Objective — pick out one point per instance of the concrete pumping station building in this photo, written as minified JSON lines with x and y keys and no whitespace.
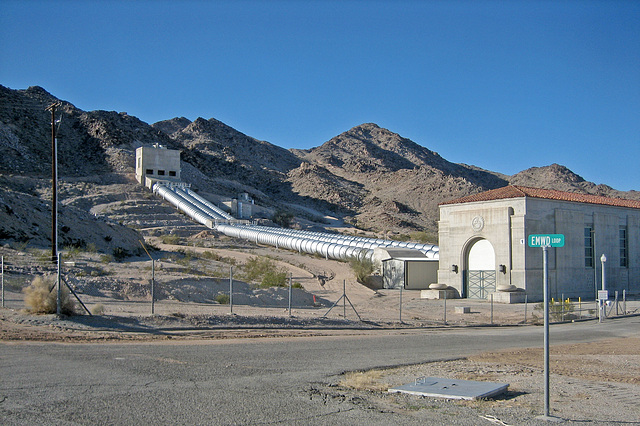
{"x":484,"y":248}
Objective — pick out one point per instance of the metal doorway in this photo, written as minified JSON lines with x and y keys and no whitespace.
{"x":481,"y":284}
{"x":481,"y":270}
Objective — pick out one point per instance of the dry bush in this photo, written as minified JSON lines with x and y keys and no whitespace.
{"x":364,"y":380}
{"x":40,"y":300}
{"x":97,"y":309}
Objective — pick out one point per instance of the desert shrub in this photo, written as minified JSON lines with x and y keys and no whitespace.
{"x":222,"y":299}
{"x":255,"y":267}
{"x":20,"y":245}
{"x":170,"y":239}
{"x":364,"y":380}
{"x":265,"y":271}
{"x":97,"y":309}
{"x":98,"y":272}
{"x":187,"y":257}
{"x":424,"y":237}
{"x":120,"y":253}
{"x":42,"y":256}
{"x":209,"y":255}
{"x":72,"y":252}
{"x":282,"y":218}
{"x":362,"y":268}
{"x":274,"y":278}
{"x":41,"y":297}
{"x":297,"y":285}
{"x":106,"y":258}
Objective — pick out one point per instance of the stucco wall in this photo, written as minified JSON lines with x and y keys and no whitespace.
{"x":506,"y":225}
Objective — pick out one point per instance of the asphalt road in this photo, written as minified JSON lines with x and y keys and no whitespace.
{"x":242,"y":381}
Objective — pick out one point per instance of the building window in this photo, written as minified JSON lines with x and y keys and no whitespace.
{"x":588,"y":247}
{"x":172,"y":173}
{"x":149,"y":171}
{"x":624,"y":262}
{"x":160,"y":172}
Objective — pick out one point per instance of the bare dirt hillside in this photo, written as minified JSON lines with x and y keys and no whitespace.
{"x":368,"y":177}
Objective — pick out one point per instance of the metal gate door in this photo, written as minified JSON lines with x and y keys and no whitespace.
{"x":480,"y":284}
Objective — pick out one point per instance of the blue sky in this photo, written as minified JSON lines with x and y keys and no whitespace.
{"x":503,"y":85}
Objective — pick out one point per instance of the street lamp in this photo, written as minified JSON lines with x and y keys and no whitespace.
{"x":603,"y":260}
{"x":603,"y":302}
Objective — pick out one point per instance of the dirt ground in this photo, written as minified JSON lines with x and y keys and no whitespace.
{"x":592,"y":384}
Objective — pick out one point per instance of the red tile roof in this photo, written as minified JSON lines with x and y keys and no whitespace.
{"x":517,"y":191}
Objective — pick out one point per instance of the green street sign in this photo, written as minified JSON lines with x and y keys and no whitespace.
{"x":546,"y":240}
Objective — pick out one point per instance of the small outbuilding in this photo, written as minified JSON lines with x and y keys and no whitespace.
{"x":406,"y":268}
{"x":157,"y":163}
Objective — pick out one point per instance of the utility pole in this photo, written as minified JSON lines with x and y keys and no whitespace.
{"x":54,"y":183}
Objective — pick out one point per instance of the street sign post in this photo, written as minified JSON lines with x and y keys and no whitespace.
{"x":545,"y":241}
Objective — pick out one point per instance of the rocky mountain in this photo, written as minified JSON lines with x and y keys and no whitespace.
{"x":88,"y":142}
{"x":385,"y":181}
{"x":225,"y":154}
{"x":369,"y":176}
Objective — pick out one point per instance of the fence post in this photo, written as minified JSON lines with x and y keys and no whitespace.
{"x":616,"y":293}
{"x":401,"y":303}
{"x":344,"y":299}
{"x":290,"y":278}
{"x":3,"y":281}
{"x":445,"y":307}
{"x":59,"y":288}
{"x":231,"y":289}
{"x":491,"y":308}
{"x":526,"y":296}
{"x":153,"y":286}
{"x":562,"y":308}
{"x":580,"y":307}
{"x":624,"y":302}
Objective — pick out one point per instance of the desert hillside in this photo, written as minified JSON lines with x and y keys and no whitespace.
{"x":367,"y":177}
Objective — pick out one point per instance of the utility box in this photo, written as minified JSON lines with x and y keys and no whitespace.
{"x":410,"y":274}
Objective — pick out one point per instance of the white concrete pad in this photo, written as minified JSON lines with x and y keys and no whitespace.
{"x":451,"y":388}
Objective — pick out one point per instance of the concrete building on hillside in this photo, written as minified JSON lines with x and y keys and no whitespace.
{"x":484,"y":250}
{"x":241,"y":207}
{"x":157,"y":163}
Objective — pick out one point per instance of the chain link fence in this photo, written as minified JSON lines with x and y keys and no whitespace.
{"x":189,"y":284}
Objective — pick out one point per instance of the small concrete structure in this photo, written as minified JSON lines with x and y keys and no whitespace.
{"x":157,"y":163}
{"x":449,"y":293}
{"x":451,"y":388}
{"x":242,"y":207}
{"x":484,"y":250}
{"x":406,"y":268}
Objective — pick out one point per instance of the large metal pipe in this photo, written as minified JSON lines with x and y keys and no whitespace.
{"x":198,"y":204}
{"x":430,"y":250}
{"x":332,"y":246}
{"x":210,"y":205}
{"x":183,"y":205}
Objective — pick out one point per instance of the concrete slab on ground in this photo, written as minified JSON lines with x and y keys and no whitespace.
{"x":451,"y":388}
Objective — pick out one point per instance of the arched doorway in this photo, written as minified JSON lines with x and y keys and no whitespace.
{"x":481,"y":270}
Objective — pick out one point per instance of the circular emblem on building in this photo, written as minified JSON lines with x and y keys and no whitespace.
{"x":477,"y":223}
